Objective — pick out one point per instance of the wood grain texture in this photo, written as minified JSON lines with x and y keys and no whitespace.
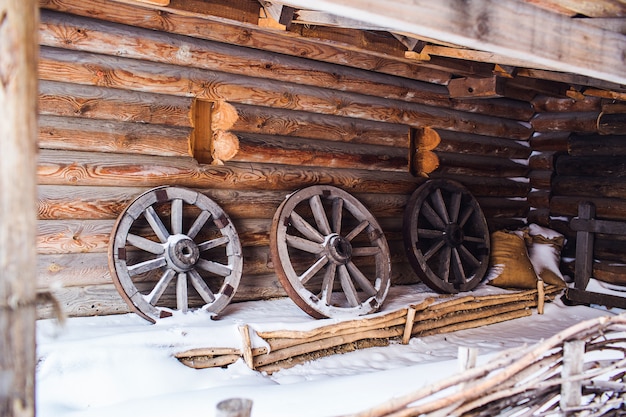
{"x":84,"y":68}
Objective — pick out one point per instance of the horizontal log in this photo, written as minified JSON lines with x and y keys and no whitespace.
{"x":539,"y":216}
{"x":580,"y":122}
{"x":316,"y":153}
{"x":591,"y":166}
{"x":541,"y":179}
{"x":88,"y":169}
{"x":610,"y":145}
{"x":220,"y":30}
{"x":74,"y":133}
{"x":606,"y":271}
{"x":61,"y":202}
{"x":490,"y":186}
{"x":539,"y":198}
{"x":467,"y":143}
{"x":611,"y":123}
{"x":90,"y":69}
{"x":606,"y":208}
{"x":67,"y":99}
{"x":496,"y":207}
{"x":281,"y":122}
{"x":88,"y":301}
{"x":553,"y":141}
{"x":542,"y":161}
{"x":481,"y":165}
{"x":589,"y":187}
{"x":549,"y":104}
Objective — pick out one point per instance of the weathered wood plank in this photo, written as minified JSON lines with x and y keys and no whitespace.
{"x":548,"y":104}
{"x":597,"y":145}
{"x":79,"y":134}
{"x":84,"y":68}
{"x":589,"y":186}
{"x":270,"y":121}
{"x":592,"y":166}
{"x":252,"y":36}
{"x":467,"y":143}
{"x":580,"y":122}
{"x":85,"y":169}
{"x":67,"y":99}
{"x":317,"y":153}
{"x":606,"y":208}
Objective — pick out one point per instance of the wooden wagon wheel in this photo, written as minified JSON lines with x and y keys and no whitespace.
{"x":446,"y":236}
{"x":174,"y":234}
{"x":330,"y":254}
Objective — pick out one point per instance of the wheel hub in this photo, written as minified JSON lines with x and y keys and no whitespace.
{"x":182,"y":253}
{"x":454,"y":235}
{"x":339,"y":249}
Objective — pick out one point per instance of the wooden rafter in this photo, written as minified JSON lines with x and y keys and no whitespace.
{"x":509,"y":28}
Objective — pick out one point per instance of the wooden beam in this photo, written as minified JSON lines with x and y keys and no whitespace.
{"x":18,"y":140}
{"x":506,"y":27}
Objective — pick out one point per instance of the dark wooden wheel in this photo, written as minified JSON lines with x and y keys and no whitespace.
{"x":173,"y":235}
{"x":330,"y":254}
{"x":446,"y":236}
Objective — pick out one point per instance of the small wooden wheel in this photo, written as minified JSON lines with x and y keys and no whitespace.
{"x":174,"y":234}
{"x":446,"y":236}
{"x":330,"y":254}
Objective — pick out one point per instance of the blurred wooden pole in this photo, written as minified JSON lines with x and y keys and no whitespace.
{"x":234,"y":407}
{"x":18,"y":141}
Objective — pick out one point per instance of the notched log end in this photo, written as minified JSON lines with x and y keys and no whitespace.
{"x":224,"y":146}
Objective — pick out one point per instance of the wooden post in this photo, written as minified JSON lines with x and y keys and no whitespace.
{"x":571,"y":394}
{"x":234,"y":407}
{"x":19,"y":21}
{"x":584,"y":248}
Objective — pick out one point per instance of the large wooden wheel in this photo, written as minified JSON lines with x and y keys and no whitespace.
{"x":330,"y":254}
{"x":446,"y":236}
{"x":173,"y":235}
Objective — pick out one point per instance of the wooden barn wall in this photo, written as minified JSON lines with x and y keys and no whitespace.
{"x":122,"y":98}
{"x":578,"y":157}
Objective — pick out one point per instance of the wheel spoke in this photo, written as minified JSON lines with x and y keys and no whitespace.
{"x":304,"y":244}
{"x":474,"y":239}
{"x":361,"y":279}
{"x":348,"y":286}
{"x":429,"y":233}
{"x":444,"y":264}
{"x":460,"y":273}
{"x":214,"y":267}
{"x":200,"y":286}
{"x":313,"y":269}
{"x":198,"y":224}
{"x":432,"y":216}
{"x":365,"y":251}
{"x":214,"y":243}
{"x":177,"y":216}
{"x":147,"y":245}
{"x":160,"y":286}
{"x":328,"y":283}
{"x":156,"y":224}
{"x":455,"y":207}
{"x":434,"y":249}
{"x":467,"y":255}
{"x":355,"y":232}
{"x":467,"y":213}
{"x":150,"y":265}
{"x":320,"y":216}
{"x":181,"y":292}
{"x":440,"y":206}
{"x":337,"y":214}
{"x":305,"y":228}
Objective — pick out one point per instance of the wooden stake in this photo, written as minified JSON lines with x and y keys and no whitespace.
{"x":247,"y":345}
{"x":410,"y":316}
{"x":571,"y":394}
{"x":540,"y":296}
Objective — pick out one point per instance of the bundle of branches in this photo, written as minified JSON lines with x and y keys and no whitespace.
{"x":580,"y":371}
{"x":287,"y":348}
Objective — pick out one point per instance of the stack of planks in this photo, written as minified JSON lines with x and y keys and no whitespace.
{"x":287,"y":348}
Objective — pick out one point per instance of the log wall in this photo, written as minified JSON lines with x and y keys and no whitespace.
{"x":123,"y":108}
{"x":574,"y":161}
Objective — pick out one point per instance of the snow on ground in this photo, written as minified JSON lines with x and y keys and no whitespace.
{"x":124,"y":366}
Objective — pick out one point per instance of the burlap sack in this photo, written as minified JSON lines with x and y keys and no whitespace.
{"x":510,"y":265}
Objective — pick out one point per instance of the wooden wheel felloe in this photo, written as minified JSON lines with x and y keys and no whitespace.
{"x":167,"y":238}
{"x":446,"y":236}
{"x":329,"y":253}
